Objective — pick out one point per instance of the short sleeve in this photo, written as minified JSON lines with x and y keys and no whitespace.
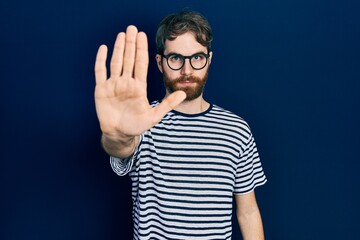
{"x":122,"y":166}
{"x":249,"y":173}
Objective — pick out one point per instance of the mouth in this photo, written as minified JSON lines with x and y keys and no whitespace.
{"x":186,"y":83}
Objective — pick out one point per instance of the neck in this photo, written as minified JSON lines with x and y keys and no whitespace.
{"x":195,"y":106}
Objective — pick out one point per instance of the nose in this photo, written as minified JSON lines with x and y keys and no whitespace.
{"x":187,"y":68}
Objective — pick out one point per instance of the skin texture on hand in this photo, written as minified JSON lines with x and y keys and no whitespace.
{"x":121,"y":101}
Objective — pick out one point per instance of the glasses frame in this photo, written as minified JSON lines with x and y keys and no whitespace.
{"x":167,"y":56}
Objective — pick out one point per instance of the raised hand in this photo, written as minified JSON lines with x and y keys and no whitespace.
{"x":121,"y":101}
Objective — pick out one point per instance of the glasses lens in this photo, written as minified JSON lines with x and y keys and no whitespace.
{"x":198,"y":61}
{"x":175,"y":61}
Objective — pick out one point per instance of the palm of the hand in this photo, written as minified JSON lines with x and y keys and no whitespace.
{"x":121,"y":101}
{"x":122,"y":106}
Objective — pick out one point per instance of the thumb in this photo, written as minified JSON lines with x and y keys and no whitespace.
{"x":168,"y":104}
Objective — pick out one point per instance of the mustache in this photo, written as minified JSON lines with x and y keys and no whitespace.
{"x":187,"y":79}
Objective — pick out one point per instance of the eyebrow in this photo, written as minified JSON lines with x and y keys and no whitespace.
{"x":175,"y":53}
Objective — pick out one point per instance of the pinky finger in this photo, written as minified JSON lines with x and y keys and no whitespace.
{"x":100,"y":65}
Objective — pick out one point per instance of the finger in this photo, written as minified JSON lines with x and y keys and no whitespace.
{"x":168,"y":104}
{"x":129,"y":54}
{"x":100,"y":65}
{"x":142,"y":57}
{"x":118,"y":54}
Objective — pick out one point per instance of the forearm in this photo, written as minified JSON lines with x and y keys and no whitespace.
{"x":251,"y":224}
{"x":119,"y":145}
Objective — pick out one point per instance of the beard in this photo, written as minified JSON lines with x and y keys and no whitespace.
{"x":192,"y":92}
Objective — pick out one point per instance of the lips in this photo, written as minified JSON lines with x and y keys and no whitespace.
{"x":186,"y":80}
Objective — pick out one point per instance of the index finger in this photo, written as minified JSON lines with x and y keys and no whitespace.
{"x":142,"y":57}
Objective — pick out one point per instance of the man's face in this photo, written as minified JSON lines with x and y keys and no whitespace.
{"x":188,"y":79}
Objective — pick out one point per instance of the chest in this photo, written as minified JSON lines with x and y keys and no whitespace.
{"x":192,"y":161}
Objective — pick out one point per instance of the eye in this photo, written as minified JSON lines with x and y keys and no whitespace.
{"x":198,"y":57}
{"x":175,"y":58}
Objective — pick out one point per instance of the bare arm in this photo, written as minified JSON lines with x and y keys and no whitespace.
{"x":121,"y":101}
{"x":249,"y":217}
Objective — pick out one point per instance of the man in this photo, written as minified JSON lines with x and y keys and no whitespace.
{"x":187,"y":158}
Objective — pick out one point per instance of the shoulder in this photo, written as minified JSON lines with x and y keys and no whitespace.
{"x":227,"y":115}
{"x":231,"y":121}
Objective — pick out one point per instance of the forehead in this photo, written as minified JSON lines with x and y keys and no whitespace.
{"x":184,"y":44}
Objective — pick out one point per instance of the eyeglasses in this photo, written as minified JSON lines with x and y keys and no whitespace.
{"x":176,"y":61}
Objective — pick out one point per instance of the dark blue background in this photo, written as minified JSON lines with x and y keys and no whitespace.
{"x":290,"y":68}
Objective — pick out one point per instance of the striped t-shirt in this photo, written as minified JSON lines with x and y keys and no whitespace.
{"x":185,"y":172}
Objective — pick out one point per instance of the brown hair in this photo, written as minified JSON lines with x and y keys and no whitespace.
{"x":177,"y":24}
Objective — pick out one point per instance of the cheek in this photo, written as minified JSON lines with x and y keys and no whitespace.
{"x":170,"y":73}
{"x":201,"y":73}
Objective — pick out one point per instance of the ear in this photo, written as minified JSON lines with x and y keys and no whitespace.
{"x":159,"y":62}
{"x":210,"y":57}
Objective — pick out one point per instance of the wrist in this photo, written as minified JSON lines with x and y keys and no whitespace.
{"x":117,"y":137}
{"x":118,"y":145}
